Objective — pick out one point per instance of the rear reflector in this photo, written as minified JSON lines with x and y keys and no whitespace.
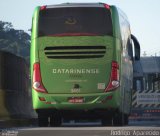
{"x":114,"y":79}
{"x":107,"y":99}
{"x":48,"y":103}
{"x":37,"y":81}
{"x":42,"y":99}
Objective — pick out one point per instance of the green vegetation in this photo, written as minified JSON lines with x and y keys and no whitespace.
{"x":14,"y":41}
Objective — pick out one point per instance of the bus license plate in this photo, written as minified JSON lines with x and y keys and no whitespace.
{"x":76,"y":100}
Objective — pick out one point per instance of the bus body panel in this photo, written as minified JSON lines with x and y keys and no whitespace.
{"x":62,"y":76}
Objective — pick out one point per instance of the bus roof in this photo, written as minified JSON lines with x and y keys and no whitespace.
{"x":76,"y":5}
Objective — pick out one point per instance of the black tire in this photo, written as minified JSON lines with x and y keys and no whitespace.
{"x":126,"y":120}
{"x":120,"y":119}
{"x":106,"y":121}
{"x":42,"y":121}
{"x":55,"y":121}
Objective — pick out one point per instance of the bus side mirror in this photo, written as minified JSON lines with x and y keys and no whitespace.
{"x":136,"y":47}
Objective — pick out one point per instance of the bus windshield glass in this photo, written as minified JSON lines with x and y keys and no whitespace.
{"x":72,"y":21}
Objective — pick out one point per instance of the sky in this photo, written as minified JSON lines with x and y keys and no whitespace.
{"x":143,"y":15}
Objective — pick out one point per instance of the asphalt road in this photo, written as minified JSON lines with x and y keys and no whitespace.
{"x":140,"y":128}
{"x":91,"y":131}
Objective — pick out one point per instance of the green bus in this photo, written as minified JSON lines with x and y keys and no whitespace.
{"x":82,"y":57}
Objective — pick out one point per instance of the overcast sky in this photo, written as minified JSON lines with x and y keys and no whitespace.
{"x":144,"y":17}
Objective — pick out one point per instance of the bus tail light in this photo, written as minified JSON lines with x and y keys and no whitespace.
{"x":37,"y":80}
{"x":114,"y":79}
{"x":43,"y":7}
{"x":106,"y":6}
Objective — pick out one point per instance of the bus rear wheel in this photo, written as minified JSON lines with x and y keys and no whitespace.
{"x":106,"y":121}
{"x":120,"y":119}
{"x":55,"y":120}
{"x":42,"y":120}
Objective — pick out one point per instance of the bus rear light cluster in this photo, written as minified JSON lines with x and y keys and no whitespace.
{"x":43,"y":7}
{"x":37,"y":80}
{"x":106,"y":6}
{"x":114,"y":79}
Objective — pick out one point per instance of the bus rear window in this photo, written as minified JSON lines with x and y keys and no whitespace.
{"x":75,"y":20}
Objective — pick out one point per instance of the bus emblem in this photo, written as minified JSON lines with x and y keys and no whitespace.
{"x":76,"y":88}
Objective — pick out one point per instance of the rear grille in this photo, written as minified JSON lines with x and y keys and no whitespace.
{"x":75,"y":52}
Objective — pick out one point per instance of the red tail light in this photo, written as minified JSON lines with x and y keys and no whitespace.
{"x":114,"y":79}
{"x":106,"y":6}
{"x":37,"y":80}
{"x":43,"y":7}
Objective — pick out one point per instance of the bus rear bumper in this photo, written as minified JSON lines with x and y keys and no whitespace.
{"x":109,"y":100}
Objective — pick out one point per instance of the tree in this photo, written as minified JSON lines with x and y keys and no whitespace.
{"x":14,"y":41}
